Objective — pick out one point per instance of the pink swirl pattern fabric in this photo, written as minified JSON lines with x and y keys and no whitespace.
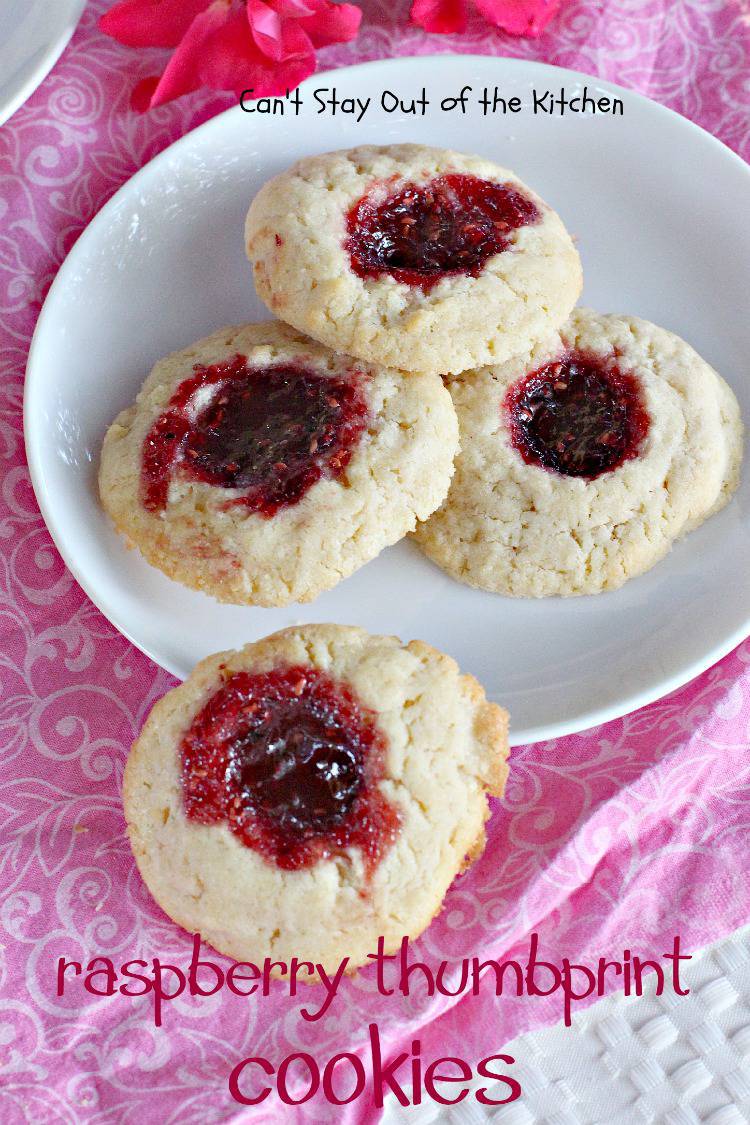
{"x":622,"y":836}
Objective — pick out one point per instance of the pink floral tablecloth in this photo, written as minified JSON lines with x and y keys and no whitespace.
{"x":622,"y":836}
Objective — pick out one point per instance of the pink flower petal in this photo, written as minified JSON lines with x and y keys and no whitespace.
{"x":519,"y":17}
{"x":234,"y":62}
{"x":440,"y":16}
{"x":279,"y":39}
{"x":265,"y":25}
{"x":142,"y":93}
{"x":329,"y":23}
{"x":295,"y":8}
{"x":151,"y":23}
{"x":184,"y":69}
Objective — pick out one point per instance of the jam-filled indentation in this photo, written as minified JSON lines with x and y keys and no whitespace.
{"x":270,"y":432}
{"x":579,"y":415}
{"x":419,"y":234}
{"x":292,"y":762}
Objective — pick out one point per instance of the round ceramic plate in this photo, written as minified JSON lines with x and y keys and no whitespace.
{"x":163,"y":264}
{"x":33,"y":35}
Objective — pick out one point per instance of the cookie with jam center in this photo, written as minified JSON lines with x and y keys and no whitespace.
{"x":584,"y":459}
{"x":312,"y":792}
{"x":262,"y":468}
{"x":418,"y":257}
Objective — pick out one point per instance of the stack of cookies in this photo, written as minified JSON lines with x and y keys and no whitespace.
{"x":426,"y":300}
{"x":428,"y":374}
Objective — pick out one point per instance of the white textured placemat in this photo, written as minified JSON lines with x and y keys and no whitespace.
{"x":664,"y":1059}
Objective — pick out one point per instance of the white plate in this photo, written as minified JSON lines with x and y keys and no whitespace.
{"x":660,"y":209}
{"x":33,"y":35}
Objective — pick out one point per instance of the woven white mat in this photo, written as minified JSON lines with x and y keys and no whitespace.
{"x":629,"y":1061}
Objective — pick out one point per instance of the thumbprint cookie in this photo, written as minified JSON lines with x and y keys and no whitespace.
{"x":262,"y":468}
{"x":583,"y":460}
{"x":313,"y":792}
{"x":414,"y":257}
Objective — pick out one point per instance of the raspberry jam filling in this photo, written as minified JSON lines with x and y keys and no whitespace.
{"x":449,"y":226}
{"x":272,"y":432}
{"x":580,"y":416}
{"x":292,"y":762}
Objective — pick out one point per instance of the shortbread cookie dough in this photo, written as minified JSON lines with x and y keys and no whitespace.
{"x":583,"y":460}
{"x":413,"y":257}
{"x":262,"y":468}
{"x":312,"y":792}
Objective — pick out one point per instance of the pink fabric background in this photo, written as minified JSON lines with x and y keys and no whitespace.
{"x":621,"y":836}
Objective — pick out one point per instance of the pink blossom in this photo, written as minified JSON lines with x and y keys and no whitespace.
{"x":264,"y":45}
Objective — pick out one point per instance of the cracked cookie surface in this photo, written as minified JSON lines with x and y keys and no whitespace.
{"x":441,"y":747}
{"x":417,"y":257}
{"x":262,"y":468}
{"x":539,"y":506}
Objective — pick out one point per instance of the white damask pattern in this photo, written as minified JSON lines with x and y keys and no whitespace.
{"x":637,"y":829}
{"x":633,"y":1061}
